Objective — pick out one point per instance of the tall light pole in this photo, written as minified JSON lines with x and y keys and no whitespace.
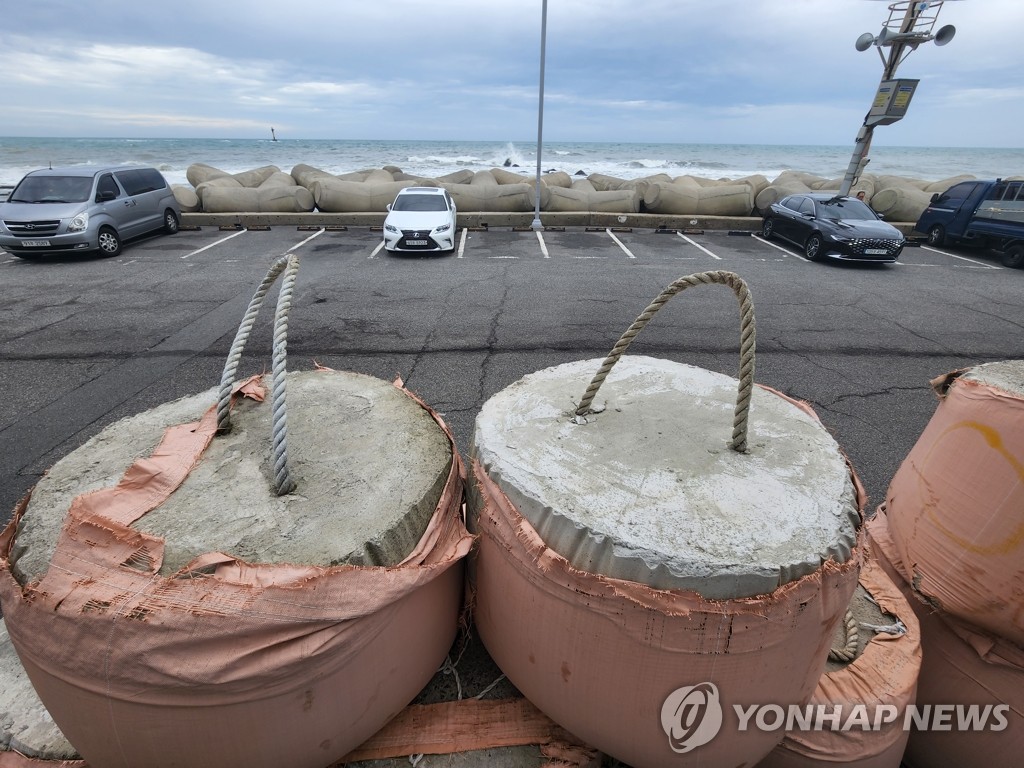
{"x":910,"y":24}
{"x":540,"y":111}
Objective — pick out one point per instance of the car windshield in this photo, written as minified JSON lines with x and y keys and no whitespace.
{"x":52,"y":189}
{"x":845,"y":210}
{"x":419,"y":203}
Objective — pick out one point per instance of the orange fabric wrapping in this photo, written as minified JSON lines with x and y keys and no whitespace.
{"x":952,"y":672}
{"x":955,"y":507}
{"x":17,"y":760}
{"x":599,"y":656}
{"x":461,"y":726}
{"x":227,"y":663}
{"x":885,"y":673}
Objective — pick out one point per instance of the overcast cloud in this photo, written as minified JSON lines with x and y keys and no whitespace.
{"x":719,"y":71}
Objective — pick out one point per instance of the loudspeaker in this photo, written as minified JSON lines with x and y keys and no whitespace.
{"x":945,"y":34}
{"x":865,"y":41}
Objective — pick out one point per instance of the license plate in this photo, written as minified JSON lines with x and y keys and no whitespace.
{"x":876,"y":251}
{"x":36,"y":243}
{"x":415,"y":242}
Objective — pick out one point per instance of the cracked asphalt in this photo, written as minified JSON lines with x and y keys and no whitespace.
{"x":85,"y":341}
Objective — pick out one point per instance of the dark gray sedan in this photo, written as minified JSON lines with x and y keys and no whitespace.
{"x":827,"y":225}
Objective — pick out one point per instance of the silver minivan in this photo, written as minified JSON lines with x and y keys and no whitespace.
{"x":85,"y":208}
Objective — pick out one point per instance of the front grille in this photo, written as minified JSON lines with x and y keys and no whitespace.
{"x":417,"y":235}
{"x":45,"y":228}
{"x":860,"y":245}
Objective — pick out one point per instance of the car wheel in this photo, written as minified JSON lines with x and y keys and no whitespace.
{"x":110,"y":242}
{"x":813,"y":247}
{"x":1014,"y":257}
{"x":768,"y":229}
{"x":170,"y":222}
{"x":937,"y":235}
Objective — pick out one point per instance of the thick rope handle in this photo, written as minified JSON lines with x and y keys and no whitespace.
{"x":747,"y":346}
{"x":849,"y":651}
{"x":289,"y":265}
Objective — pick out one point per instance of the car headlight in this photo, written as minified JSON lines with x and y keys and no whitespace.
{"x":79,"y":223}
{"x":443,"y":228}
{"x":391,"y":228}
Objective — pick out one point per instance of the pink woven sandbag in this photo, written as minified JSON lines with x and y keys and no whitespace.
{"x":960,"y":665}
{"x":956,"y":504}
{"x":226,"y":661}
{"x":638,"y":577}
{"x":881,"y":679}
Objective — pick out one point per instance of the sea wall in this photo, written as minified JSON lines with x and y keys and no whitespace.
{"x":307,"y":189}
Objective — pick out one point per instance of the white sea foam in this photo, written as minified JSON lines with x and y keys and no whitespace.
{"x":437,"y":158}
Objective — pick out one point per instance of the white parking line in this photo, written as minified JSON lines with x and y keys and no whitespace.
{"x":785,"y":251}
{"x":962,"y":258}
{"x":215,"y":242}
{"x":619,"y":243}
{"x":377,"y":249}
{"x":462,"y":243}
{"x":543,"y":247}
{"x":299,"y":245}
{"x":709,"y":253}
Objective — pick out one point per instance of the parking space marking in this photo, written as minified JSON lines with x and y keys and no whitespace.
{"x":962,"y":258}
{"x":698,"y":245}
{"x":619,"y":243}
{"x":785,"y":251}
{"x":462,"y":242}
{"x":299,"y":245}
{"x":543,"y":246}
{"x":214,"y":243}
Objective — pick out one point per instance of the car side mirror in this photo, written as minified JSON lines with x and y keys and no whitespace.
{"x":935,"y":197}
{"x":105,"y":196}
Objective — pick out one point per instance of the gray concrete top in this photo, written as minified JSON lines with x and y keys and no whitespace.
{"x":370,"y":464}
{"x":647,"y":489}
{"x":1007,"y":375}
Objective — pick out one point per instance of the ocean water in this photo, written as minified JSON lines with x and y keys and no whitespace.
{"x":436,"y":158}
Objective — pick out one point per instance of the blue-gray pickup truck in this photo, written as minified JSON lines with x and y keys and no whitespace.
{"x":988,"y":214}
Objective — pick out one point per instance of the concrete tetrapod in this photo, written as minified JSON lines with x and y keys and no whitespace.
{"x":281,"y":578}
{"x":654,"y":558}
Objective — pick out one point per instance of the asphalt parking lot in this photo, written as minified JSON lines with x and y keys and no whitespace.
{"x":85,"y":341}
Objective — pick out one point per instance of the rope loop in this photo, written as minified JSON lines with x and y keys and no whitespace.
{"x":747,"y":346}
{"x":848,"y":652}
{"x":289,"y":266}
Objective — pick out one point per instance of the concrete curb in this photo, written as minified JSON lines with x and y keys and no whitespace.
{"x":477,"y":220}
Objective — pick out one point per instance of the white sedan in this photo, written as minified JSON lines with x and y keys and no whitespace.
{"x":420,"y":219}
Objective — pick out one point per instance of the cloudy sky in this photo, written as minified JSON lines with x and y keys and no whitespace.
{"x":729,"y":71}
